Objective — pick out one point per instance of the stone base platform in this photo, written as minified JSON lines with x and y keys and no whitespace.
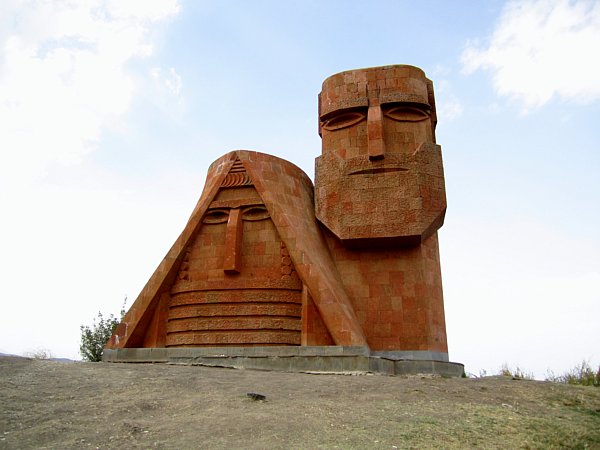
{"x":330,"y":359}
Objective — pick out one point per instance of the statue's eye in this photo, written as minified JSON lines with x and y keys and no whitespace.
{"x":216,"y":216}
{"x":255,"y":213}
{"x":406,"y":114}
{"x":343,"y":120}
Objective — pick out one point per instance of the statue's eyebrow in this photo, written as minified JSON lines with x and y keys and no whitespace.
{"x":339,"y":105}
{"x":339,"y":111}
{"x":218,"y":204}
{"x":397,"y":103}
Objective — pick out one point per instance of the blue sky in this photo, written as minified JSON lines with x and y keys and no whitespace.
{"x":111,"y":112}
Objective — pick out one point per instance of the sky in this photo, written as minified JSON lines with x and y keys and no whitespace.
{"x":111,"y":112}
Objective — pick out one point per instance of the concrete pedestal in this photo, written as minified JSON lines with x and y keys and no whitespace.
{"x":327,"y":359}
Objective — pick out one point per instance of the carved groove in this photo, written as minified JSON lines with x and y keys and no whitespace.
{"x":237,"y":167}
{"x":236,"y":179}
{"x":235,"y":309}
{"x":233,"y":337}
{"x":232,"y":323}
{"x":222,"y":285}
{"x":237,"y":176}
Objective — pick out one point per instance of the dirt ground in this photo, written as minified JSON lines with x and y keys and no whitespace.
{"x":62,"y":405}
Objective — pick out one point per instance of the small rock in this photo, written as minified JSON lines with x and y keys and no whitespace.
{"x":256,"y":397}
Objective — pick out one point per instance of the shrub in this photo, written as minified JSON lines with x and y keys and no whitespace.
{"x":94,"y":338}
{"x":581,"y":374}
{"x":39,"y":353}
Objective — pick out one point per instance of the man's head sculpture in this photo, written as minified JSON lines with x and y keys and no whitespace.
{"x":379,"y":179}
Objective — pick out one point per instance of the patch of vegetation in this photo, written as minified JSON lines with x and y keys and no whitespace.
{"x":482,"y":374}
{"x":94,"y":338}
{"x":39,"y":353}
{"x":581,"y":374}
{"x":516,"y":374}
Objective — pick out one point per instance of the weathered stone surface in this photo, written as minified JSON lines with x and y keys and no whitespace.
{"x":252,"y":245}
{"x":380,"y":178}
{"x":379,"y":192}
{"x":288,"y":359}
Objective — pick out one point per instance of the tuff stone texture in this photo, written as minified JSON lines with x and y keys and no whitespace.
{"x":239,"y":267}
{"x":268,"y":260}
{"x":381,"y":198}
{"x":379,"y":180}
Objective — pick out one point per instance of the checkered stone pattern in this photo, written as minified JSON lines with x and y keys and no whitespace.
{"x":380,"y":198}
{"x":396,"y":294}
{"x":380,"y":178}
{"x":257,"y":303}
{"x":268,"y":259}
{"x":240,"y":272}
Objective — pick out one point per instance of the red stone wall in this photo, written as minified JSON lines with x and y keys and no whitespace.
{"x":216,"y":301}
{"x":314,"y":330}
{"x":380,"y":198}
{"x":396,"y":294}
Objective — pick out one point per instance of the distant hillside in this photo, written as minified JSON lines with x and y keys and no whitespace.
{"x":26,"y":357}
{"x":101,"y":405}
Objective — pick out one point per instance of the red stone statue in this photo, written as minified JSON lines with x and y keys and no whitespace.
{"x":266,"y":259}
{"x":380,"y":197}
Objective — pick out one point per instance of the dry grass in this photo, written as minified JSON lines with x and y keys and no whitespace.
{"x":582,"y":374}
{"x":100,"y":405}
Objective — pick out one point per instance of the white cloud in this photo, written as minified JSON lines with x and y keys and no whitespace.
{"x":451,"y":110}
{"x":66,"y":78}
{"x":63,"y":78}
{"x":449,"y":107}
{"x":171,"y":80}
{"x":542,"y":49}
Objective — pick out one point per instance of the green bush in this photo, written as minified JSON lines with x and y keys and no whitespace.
{"x":94,"y":338}
{"x":581,"y":374}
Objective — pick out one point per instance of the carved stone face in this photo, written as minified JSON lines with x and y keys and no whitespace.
{"x":236,"y":284}
{"x":379,"y":179}
{"x":227,"y":217}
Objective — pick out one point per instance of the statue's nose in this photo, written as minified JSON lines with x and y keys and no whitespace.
{"x":375,"y":137}
{"x":232,"y":262}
